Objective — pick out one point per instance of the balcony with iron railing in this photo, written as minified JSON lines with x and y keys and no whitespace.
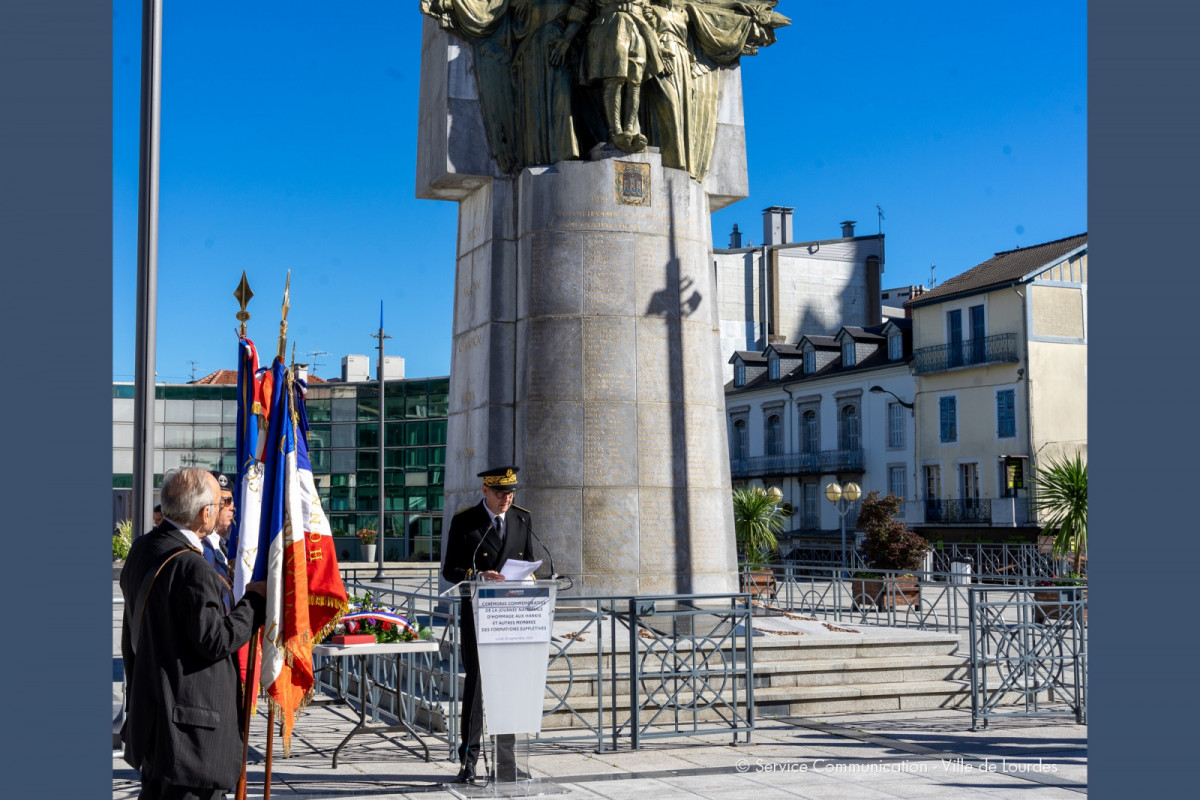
{"x":997,"y":349}
{"x":824,"y":462}
{"x":953,"y":512}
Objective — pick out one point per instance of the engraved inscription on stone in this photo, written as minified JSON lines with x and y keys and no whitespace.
{"x":660,"y":542}
{"x":553,"y":447}
{"x":555,"y":282}
{"x":632,"y":182}
{"x":608,"y":366}
{"x":655,"y":339}
{"x":610,"y":444}
{"x":608,"y":260}
{"x":554,"y":368}
{"x":709,"y":542}
{"x":610,"y":530}
{"x":657,"y":465}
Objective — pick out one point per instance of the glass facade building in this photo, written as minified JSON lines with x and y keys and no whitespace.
{"x":195,"y":425}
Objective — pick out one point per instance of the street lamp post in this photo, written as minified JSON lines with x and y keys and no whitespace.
{"x":916,"y":441}
{"x":842,"y":498}
{"x":382,"y":535}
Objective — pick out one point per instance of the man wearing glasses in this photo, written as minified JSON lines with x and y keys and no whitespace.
{"x":480,"y":540}
{"x":215,"y":543}
{"x":179,"y":647}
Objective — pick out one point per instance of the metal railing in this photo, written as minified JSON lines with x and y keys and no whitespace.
{"x":1028,"y":645}
{"x":999,"y":348}
{"x":928,"y":600}
{"x":818,"y":463}
{"x":959,"y":511}
{"x":633,"y":668}
{"x":420,"y":690}
{"x":997,"y":560}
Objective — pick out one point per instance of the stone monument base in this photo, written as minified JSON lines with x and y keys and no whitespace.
{"x":586,"y":318}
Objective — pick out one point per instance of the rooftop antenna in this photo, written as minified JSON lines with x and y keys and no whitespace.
{"x":193,"y":363}
{"x":880,"y":210}
{"x":932,"y":280}
{"x":315,"y":363}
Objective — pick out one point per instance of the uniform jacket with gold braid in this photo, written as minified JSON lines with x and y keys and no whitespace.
{"x":468,"y":527}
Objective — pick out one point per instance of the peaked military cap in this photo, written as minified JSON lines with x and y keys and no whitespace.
{"x":500,"y":477}
{"x":223,"y":480}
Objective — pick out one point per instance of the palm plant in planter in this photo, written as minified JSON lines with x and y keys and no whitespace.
{"x":891,"y":547}
{"x":1060,"y":497}
{"x":757,"y":518}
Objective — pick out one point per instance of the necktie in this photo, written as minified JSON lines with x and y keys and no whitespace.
{"x":216,"y":558}
{"x":500,"y":527}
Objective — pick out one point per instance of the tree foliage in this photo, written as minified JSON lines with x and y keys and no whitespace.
{"x":1060,"y":497}
{"x":757,"y":519}
{"x":889,"y":544}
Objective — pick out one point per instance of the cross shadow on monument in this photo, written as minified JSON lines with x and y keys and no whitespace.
{"x":674,"y":303}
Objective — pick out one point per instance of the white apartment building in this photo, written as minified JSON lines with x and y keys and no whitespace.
{"x":1000,"y":366}
{"x":829,"y":408}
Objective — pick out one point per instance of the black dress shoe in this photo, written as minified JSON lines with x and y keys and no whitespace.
{"x":466,"y":774}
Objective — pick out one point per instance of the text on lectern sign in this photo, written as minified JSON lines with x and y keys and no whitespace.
{"x":508,"y":614}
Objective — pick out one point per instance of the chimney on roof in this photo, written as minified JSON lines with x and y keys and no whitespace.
{"x":777,"y":225}
{"x":302,"y":372}
{"x":848,"y":229}
{"x":735,"y":238}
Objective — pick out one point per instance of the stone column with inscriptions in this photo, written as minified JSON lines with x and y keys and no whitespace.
{"x":586,"y":341}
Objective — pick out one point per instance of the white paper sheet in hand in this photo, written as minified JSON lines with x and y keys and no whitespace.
{"x":517,"y":570}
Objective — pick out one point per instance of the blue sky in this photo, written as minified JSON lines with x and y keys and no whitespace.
{"x":289,"y":142}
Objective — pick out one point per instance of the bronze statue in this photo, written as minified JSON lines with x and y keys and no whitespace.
{"x":621,"y":52}
{"x":548,"y":97}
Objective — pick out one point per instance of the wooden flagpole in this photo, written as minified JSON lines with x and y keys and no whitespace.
{"x":282,"y":352}
{"x":250,"y":692}
{"x":270,"y":748}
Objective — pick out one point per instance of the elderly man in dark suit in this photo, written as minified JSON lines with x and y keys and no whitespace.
{"x":179,"y":646}
{"x":480,"y":540}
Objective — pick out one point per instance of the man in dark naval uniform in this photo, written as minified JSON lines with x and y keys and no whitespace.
{"x":480,"y":540}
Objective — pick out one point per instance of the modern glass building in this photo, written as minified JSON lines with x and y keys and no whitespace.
{"x":195,"y":425}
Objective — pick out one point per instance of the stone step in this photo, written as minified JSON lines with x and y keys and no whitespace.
{"x":832,"y":672}
{"x":788,"y":649}
{"x":851,"y":646}
{"x":798,"y":673}
{"x":863,"y":697}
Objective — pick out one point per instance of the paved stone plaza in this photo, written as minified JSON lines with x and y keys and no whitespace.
{"x":908,"y":754}
{"x":920,"y":753}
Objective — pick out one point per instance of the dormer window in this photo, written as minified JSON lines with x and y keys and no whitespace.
{"x":773,"y":368}
{"x":739,"y":374}
{"x":895,"y":347}
{"x":810,"y":362}
{"x":848,"y":353}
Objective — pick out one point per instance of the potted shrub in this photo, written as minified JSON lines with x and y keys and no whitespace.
{"x":367,"y":537}
{"x":1055,"y":604}
{"x":757,"y":518}
{"x":892,"y":548}
{"x":1060,"y":498}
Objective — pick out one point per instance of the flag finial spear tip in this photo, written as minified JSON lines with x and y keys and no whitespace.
{"x":282,"y":352}
{"x":243,"y":294}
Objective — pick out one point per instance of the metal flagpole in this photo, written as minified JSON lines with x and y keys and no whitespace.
{"x":147,"y":275}
{"x":382,"y":416}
